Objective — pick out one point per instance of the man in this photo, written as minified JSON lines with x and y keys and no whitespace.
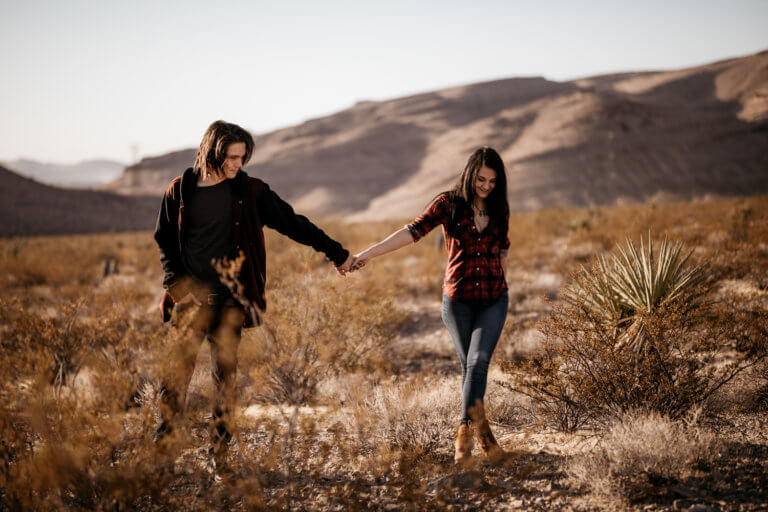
{"x":211,"y":241}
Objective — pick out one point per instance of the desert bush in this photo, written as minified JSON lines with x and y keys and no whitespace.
{"x":56,"y":344}
{"x":417,"y":417}
{"x":76,"y":446}
{"x":639,"y":338}
{"x":319,"y":325}
{"x":289,"y":371}
{"x":81,"y":444}
{"x":70,"y":440}
{"x":621,"y":294}
{"x":508,"y":409}
{"x":363,"y":441}
{"x":641,"y":451}
{"x":757,"y":328}
{"x":761,"y":394}
{"x":312,"y":336}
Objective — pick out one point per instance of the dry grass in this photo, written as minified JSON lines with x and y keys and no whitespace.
{"x":416,"y":416}
{"x":336,"y":411}
{"x":642,"y":451}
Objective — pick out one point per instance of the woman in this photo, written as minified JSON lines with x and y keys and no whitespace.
{"x":475,"y":219}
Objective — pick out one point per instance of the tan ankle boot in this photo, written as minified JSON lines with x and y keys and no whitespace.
{"x":463,"y":443}
{"x":485,"y":438}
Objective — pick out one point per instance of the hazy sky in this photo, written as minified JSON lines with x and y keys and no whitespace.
{"x":84,"y":79}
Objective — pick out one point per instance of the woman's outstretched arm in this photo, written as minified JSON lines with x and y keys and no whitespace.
{"x":393,"y":242}
{"x":435,"y":215}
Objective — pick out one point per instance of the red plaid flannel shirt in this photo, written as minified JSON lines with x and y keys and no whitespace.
{"x":474,"y":274}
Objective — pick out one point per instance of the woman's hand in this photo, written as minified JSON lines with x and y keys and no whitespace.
{"x":360,"y":260}
{"x":347,"y":266}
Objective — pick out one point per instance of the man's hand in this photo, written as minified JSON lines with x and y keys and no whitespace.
{"x":347,"y":266}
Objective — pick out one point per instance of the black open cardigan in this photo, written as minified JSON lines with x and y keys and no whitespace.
{"x":254,"y":205}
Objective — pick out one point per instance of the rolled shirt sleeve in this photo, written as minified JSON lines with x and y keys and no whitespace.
{"x":436,"y":214}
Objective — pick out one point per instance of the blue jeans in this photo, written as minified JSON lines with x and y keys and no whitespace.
{"x":475,"y":331}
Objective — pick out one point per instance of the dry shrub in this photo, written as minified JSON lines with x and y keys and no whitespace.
{"x":759,"y":397}
{"x":312,"y":336}
{"x":318,"y":325}
{"x":418,"y":417}
{"x":287,"y":372}
{"x":71,"y":439}
{"x":57,"y":345}
{"x":82,"y":444}
{"x":324,"y":459}
{"x":580,"y":377}
{"x":508,"y":409}
{"x":641,"y":451}
{"x":76,"y":445}
{"x":635,"y":333}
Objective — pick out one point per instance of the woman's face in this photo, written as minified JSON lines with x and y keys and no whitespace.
{"x":485,"y":182}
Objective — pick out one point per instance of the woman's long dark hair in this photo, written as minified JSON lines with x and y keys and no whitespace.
{"x":496,"y":202}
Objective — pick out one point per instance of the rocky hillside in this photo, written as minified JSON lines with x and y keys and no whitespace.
{"x":597,"y":140}
{"x":31,"y":208}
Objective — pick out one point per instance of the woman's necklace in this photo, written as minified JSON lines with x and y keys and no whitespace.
{"x":481,"y":212}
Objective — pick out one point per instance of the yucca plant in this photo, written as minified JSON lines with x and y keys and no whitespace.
{"x":620,"y":292}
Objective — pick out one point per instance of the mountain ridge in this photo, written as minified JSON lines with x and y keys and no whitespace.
{"x":87,"y":173}
{"x":631,"y":136}
{"x":31,"y":208}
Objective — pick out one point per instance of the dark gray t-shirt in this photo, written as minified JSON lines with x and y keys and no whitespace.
{"x":208,"y":233}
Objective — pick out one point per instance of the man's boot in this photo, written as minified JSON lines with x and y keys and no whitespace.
{"x":463,"y":443}
{"x":220,"y":438}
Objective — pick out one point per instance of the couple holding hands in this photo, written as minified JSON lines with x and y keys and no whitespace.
{"x":215,"y":211}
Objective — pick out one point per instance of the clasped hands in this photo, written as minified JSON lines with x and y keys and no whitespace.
{"x":353,"y":262}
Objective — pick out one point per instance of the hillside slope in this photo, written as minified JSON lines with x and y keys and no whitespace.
{"x":597,"y":140}
{"x":31,"y":208}
{"x":82,"y":174}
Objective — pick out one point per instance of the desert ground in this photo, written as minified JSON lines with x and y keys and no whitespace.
{"x":349,"y":393}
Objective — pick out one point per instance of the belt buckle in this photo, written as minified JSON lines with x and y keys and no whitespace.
{"x":212,"y":299}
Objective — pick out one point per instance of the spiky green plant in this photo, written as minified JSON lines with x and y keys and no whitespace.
{"x":619,"y":292}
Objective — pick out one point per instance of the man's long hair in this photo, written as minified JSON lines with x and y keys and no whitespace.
{"x":496,"y":202}
{"x":213,"y":148}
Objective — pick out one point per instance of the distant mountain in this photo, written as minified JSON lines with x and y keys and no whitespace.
{"x":31,"y":208}
{"x":151,"y":175}
{"x":83,"y":174}
{"x":597,"y":140}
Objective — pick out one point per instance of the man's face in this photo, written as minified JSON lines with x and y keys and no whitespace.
{"x":233,"y":160}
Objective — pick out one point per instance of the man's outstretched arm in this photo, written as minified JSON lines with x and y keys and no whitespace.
{"x":279,"y":215}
